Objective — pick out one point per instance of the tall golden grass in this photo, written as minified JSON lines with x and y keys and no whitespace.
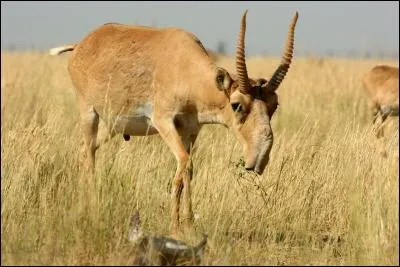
{"x":327,"y":197}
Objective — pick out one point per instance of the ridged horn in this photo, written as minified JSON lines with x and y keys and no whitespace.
{"x":281,"y":71}
{"x":244,"y":84}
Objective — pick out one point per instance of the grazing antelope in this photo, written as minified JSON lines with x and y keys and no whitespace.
{"x":381,"y":84}
{"x":144,"y":81}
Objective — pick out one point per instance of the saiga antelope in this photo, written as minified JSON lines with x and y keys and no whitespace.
{"x":381,"y":84}
{"x":144,"y":81}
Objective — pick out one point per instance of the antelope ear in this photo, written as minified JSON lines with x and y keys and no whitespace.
{"x":223,"y":79}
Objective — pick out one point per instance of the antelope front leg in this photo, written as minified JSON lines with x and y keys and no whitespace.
{"x":187,"y":198}
{"x":188,"y":134}
{"x":181,"y":183}
{"x":175,"y":142}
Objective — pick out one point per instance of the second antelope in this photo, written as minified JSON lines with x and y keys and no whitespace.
{"x":381,"y":84}
{"x":143,"y":81}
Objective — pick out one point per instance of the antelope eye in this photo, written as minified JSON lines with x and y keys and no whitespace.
{"x":220,"y":79}
{"x":237,"y":107}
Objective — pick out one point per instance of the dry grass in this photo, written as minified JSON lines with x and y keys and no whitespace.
{"x":326,"y":198}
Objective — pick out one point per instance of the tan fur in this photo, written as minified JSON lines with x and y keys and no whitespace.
{"x":143,"y":80}
{"x":381,"y":84}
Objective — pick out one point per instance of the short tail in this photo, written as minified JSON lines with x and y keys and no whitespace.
{"x":61,"y":49}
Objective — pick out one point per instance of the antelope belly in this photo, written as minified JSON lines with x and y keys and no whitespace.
{"x":137,"y":121}
{"x":135,"y":126}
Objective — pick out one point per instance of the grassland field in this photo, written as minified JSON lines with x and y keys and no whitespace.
{"x":327,"y":196}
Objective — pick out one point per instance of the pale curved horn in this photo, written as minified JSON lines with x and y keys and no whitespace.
{"x":244,"y":84}
{"x":280,"y":73}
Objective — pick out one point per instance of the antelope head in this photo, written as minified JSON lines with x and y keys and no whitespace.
{"x":254,"y":101}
